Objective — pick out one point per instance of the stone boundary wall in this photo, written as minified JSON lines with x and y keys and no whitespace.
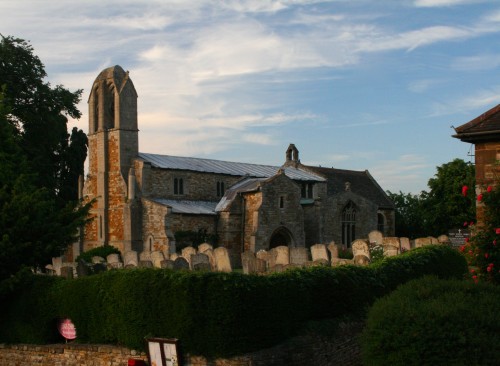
{"x":342,"y":349}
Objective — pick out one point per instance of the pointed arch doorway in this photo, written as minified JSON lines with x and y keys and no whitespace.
{"x":280,"y":237}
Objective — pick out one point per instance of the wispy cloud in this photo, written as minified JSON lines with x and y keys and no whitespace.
{"x":440,"y":3}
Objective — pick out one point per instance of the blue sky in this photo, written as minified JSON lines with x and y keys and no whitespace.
{"x":355,"y":84}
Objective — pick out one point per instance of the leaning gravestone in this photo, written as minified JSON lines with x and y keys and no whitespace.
{"x":200,"y":262}
{"x":202,"y":248}
{"x":167,"y":264}
{"x":299,"y":256}
{"x":181,"y":263}
{"x":319,"y":252}
{"x":222,"y":262}
{"x":375,"y":236}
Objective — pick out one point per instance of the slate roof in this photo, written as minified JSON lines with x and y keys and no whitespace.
{"x":361,"y":183}
{"x":188,"y":207}
{"x":226,"y":167}
{"x":482,"y":128}
{"x":244,"y":185}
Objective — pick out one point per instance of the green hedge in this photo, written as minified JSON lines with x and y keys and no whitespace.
{"x":434,"y":322}
{"x":216,"y":314}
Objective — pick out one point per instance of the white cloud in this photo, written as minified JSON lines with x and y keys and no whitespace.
{"x":476,"y":62}
{"x":440,"y":3}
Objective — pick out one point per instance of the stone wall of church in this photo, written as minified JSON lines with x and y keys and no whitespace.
{"x":196,"y":185}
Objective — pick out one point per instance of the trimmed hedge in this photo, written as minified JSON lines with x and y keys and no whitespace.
{"x":434,"y":322}
{"x":216,"y":314}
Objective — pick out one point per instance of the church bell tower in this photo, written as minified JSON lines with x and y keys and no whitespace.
{"x":113,"y":146}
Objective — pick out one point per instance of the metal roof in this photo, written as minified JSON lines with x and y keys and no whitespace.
{"x":245,"y":185}
{"x":188,"y":207}
{"x":226,"y":167}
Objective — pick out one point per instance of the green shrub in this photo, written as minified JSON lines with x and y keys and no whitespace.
{"x":102,"y":251}
{"x":434,"y":322}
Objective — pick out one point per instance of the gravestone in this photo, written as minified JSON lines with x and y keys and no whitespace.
{"x":187,"y":253}
{"x":211,"y":257}
{"x":82,"y":268}
{"x":321,"y":262}
{"x":145,"y":255}
{"x":420,"y":242}
{"x":265,"y":256}
{"x":277,"y":268}
{"x":281,"y":255}
{"x":200,"y":262}
{"x":361,"y":260}
{"x":66,"y":271}
{"x":443,"y":239}
{"x":391,"y":246}
{"x":248,"y":262}
{"x":97,"y":259}
{"x":174,"y":256}
{"x":405,"y":244}
{"x":113,"y":261}
{"x":222,"y":262}
{"x":131,"y":259}
{"x":49,"y":269}
{"x":156,"y":258}
{"x":181,"y":263}
{"x":202,"y":248}
{"x":434,"y":240}
{"x":333,"y":249}
{"x":360,"y":247}
{"x":319,"y":252}
{"x":375,"y":236}
{"x":145,"y":264}
{"x":167,"y":264}
{"x":56,"y":265}
{"x":299,"y":256}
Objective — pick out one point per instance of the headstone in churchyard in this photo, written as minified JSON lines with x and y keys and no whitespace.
{"x":222,"y":262}
{"x":391,"y":246}
{"x":248,"y":262}
{"x":443,"y":239}
{"x":131,"y":259}
{"x":114,"y":261}
{"x":187,"y":253}
{"x":265,"y":256}
{"x":57,"y":264}
{"x":434,"y":240}
{"x":181,"y":263}
{"x":67,"y":271}
{"x":145,"y":255}
{"x":405,"y":244}
{"x":333,"y":249}
{"x":156,"y":257}
{"x":202,"y":248}
{"x":299,"y":256}
{"x":82,"y":268}
{"x":97,"y":259}
{"x":174,"y":256}
{"x":145,"y":264}
{"x":420,"y":242}
{"x":321,"y":262}
{"x":210,"y":254}
{"x":277,"y":268}
{"x":318,"y":251}
{"x":375,"y":236}
{"x":200,"y":262}
{"x":341,"y":261}
{"x":361,"y":260}
{"x":167,"y":264}
{"x":49,"y":269}
{"x":260,"y":266}
{"x":360,"y":247}
{"x":281,"y":255}
{"x":457,"y":237}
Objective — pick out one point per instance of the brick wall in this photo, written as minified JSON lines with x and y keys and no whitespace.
{"x":487,"y":171}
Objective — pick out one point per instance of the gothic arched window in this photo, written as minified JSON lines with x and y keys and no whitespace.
{"x":348,"y":224}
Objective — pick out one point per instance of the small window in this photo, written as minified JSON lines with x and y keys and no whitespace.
{"x":178,"y":186}
{"x":220,"y":189}
{"x":282,"y":202}
{"x":307,"y":190}
{"x":380,"y":223}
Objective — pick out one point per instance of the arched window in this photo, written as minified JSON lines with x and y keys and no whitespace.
{"x":380,"y":223}
{"x":348,"y":224}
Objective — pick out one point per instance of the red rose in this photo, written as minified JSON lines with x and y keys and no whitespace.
{"x":489,"y":189}
{"x":479,"y":197}
{"x":464,"y":190}
{"x":497,"y":231}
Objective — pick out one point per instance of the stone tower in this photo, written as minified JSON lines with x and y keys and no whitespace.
{"x":113,"y":145}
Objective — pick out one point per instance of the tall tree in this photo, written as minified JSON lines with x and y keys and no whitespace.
{"x":36,"y":221}
{"x":39,"y":113}
{"x":408,"y":215}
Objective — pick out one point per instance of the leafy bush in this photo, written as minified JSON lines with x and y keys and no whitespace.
{"x":102,"y":251}
{"x":345,"y":253}
{"x":434,"y":322}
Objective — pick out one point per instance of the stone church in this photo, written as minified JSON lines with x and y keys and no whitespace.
{"x":144,"y":201}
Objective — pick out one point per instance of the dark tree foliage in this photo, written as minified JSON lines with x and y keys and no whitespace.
{"x":38,"y":218}
{"x":440,"y":209}
{"x":39,"y":114}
